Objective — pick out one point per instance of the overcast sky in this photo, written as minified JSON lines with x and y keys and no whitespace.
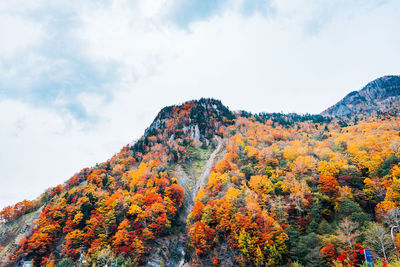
{"x":79,"y":80}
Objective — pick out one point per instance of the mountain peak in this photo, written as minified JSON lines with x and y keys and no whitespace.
{"x":206,"y":113}
{"x":382,"y":88}
{"x":193,"y":122}
{"x":379,"y":95}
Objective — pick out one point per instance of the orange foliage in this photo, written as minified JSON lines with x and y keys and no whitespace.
{"x":328,"y":185}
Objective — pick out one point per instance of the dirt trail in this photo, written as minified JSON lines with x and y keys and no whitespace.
{"x":207,"y":167}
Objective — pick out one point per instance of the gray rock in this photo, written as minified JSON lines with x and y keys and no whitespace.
{"x":380,"y":95}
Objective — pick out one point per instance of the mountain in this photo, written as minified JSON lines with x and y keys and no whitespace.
{"x":379,"y":96}
{"x":176,"y":154}
{"x":205,"y":186}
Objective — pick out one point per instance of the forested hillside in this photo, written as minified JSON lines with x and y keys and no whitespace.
{"x":206,"y":186}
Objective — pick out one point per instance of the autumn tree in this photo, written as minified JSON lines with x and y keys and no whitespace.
{"x":378,"y":239}
{"x":348,"y":232}
{"x":328,"y":185}
{"x":328,"y":252}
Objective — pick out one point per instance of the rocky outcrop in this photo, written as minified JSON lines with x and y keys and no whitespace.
{"x":12,"y":232}
{"x":199,"y":118}
{"x":380,"y":95}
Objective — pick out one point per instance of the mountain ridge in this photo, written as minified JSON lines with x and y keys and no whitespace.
{"x":378,"y":96}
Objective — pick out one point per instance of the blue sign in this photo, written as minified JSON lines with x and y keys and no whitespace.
{"x":368,"y":257}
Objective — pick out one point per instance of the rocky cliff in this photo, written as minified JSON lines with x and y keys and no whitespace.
{"x":379,"y":96}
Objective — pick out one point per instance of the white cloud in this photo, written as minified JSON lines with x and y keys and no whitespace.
{"x":118,"y":34}
{"x":35,"y":153}
{"x":18,"y":34}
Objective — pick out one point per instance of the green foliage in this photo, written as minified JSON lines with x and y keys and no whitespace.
{"x":66,"y":262}
{"x":386,"y":166}
{"x":304,"y":247}
{"x":198,"y":157}
{"x":325,"y":228}
{"x":349,"y":208}
{"x":247,"y":170}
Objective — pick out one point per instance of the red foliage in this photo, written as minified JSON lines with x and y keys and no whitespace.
{"x":328,"y":252}
{"x":202,"y":237}
{"x":10,"y":213}
{"x":175,"y":193}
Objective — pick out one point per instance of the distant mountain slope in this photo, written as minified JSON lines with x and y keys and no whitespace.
{"x":380,"y":95}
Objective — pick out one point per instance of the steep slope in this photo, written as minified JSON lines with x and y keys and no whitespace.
{"x":379,"y":96}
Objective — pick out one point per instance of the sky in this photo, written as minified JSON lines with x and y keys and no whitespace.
{"x":81,"y":79}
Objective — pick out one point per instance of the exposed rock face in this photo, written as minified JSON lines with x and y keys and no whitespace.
{"x":202,"y":119}
{"x":380,"y":95}
{"x":12,"y":232}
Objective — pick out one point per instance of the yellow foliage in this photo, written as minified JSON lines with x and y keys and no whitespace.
{"x":135,"y":210}
{"x":137,"y":178}
{"x":384,"y":206}
{"x":251,"y":151}
{"x":261,"y":185}
{"x":75,"y":237}
{"x":290,"y":153}
{"x":199,"y":195}
{"x":329,"y":168}
{"x":396,"y":171}
{"x":252,"y":206}
{"x":78,"y":217}
{"x":283,"y":186}
{"x":235,"y":179}
{"x":302,"y":164}
{"x":393,"y":192}
{"x":217,"y":178}
{"x":345,"y":192}
{"x":238,"y":140}
{"x":232,"y":194}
